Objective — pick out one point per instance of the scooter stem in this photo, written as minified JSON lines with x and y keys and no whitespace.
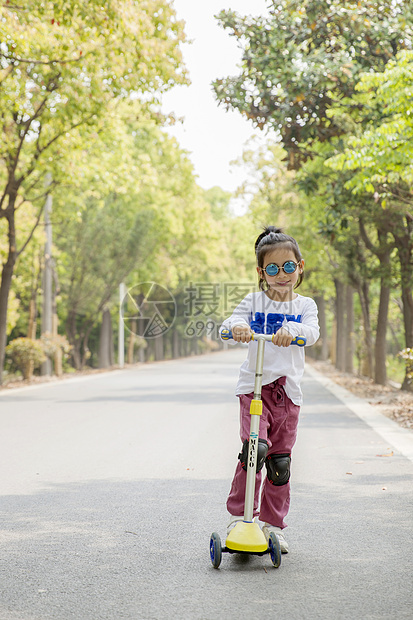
{"x":259,"y":367}
{"x":255,"y":412}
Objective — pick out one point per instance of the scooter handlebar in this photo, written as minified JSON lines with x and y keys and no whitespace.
{"x":226,"y":334}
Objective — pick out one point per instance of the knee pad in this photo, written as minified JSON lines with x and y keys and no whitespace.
{"x":278,"y":468}
{"x":261,"y":454}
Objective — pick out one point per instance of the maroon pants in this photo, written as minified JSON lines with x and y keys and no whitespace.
{"x":278,"y":426}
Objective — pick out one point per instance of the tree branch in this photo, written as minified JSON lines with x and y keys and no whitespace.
{"x":367,"y":242}
{"x":3,"y":211}
{"x":29,"y":189}
{"x":14,"y":7}
{"x":7,"y":71}
{"x":43,"y":196}
{"x":62,"y":61}
{"x":26,"y":131}
{"x":31,"y":233}
{"x":46,"y":146}
{"x":331,"y":260}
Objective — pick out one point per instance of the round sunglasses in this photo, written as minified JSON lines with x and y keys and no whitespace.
{"x":272,"y":269}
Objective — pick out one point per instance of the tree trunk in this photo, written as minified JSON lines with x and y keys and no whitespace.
{"x":6,"y":278}
{"x":76,"y":356}
{"x":185,"y":347}
{"x":31,"y":330}
{"x":367,"y":348}
{"x":333,"y":346}
{"x":194,"y":346}
{"x":159,"y":348}
{"x":73,"y":339}
{"x":380,"y":352}
{"x":383,"y":251}
{"x":321,"y":304}
{"x":58,"y":356}
{"x":106,"y":340}
{"x":341,"y":327}
{"x":349,"y":329}
{"x":175,"y":344}
{"x":408,"y":329}
{"x":85,"y":344}
{"x":404,"y":250}
{"x":33,"y":310}
{"x":131,"y":344}
{"x":141,"y":331}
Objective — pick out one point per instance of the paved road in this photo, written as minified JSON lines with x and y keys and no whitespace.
{"x":111,"y":485}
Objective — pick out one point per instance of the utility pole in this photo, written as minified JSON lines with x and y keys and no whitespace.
{"x":47,"y":325}
{"x":121,"y":339}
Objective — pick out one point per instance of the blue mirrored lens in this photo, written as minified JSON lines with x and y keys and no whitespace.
{"x":271,"y":269}
{"x":290,"y":266}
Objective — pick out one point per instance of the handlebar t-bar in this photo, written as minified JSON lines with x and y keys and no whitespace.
{"x":226,"y":334}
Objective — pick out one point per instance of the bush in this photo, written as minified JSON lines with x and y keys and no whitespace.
{"x":26,"y":354}
{"x":139,"y":343}
{"x":51,"y":345}
{"x":407,"y":356}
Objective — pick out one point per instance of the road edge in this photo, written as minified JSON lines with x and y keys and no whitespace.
{"x":400,"y":438}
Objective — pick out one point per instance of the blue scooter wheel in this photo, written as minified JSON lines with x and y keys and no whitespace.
{"x":275,"y":550}
{"x":215,"y":549}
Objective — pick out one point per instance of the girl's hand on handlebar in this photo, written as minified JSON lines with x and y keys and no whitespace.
{"x":282,"y":338}
{"x":241,"y":333}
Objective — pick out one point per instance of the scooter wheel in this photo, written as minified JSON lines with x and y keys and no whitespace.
{"x":215,"y":550}
{"x":275,"y":550}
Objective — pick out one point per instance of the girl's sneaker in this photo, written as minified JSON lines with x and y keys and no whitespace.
{"x":233,"y":520}
{"x":267,"y":529}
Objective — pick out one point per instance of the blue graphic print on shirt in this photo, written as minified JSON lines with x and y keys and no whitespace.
{"x":273,"y":323}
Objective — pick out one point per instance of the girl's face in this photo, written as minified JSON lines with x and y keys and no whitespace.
{"x":280,"y":286}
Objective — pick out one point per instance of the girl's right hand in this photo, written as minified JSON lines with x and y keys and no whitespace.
{"x":241,"y":333}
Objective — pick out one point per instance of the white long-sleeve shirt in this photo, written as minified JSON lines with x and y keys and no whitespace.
{"x":298,"y":316}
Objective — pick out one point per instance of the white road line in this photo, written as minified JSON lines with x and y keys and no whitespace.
{"x":400,"y":438}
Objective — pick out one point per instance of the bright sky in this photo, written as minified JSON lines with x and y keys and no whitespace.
{"x":212,"y":136}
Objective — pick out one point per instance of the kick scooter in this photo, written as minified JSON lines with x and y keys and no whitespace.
{"x":246,"y":536}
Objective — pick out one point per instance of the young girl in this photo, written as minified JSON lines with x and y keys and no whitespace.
{"x":275,"y":309}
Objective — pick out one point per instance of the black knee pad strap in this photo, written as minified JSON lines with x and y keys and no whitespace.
{"x":261,"y":454}
{"x":278,"y":468}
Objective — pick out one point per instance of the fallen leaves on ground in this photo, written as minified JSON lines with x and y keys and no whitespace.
{"x":391,"y":401}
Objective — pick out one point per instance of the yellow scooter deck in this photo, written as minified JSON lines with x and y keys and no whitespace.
{"x":247,"y":537}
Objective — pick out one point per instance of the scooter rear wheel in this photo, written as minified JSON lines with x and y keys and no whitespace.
{"x":215,"y":549}
{"x":275,"y":550}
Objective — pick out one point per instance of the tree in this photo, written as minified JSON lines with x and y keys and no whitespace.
{"x":381,"y":157}
{"x":306,"y":52}
{"x":277,"y":199}
{"x":303,"y":58}
{"x":62,"y":64}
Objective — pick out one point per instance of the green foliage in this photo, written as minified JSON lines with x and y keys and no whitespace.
{"x":26,"y":354}
{"x":277,"y":199}
{"x":300,"y":73}
{"x":61,"y":68}
{"x":64,"y":69}
{"x":219,"y":201}
{"x":306,"y":52}
{"x":381,"y":154}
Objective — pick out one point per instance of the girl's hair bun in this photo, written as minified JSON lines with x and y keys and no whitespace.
{"x":267,"y":231}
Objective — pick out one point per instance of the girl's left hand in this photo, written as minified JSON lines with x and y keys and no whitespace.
{"x":282,"y":338}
